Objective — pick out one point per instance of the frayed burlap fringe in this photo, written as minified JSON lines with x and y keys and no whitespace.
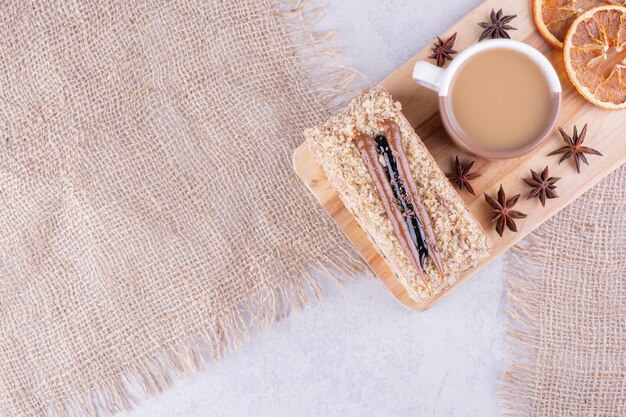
{"x":567,"y":308}
{"x":98,"y":311}
{"x":334,"y":83}
{"x":210,"y":343}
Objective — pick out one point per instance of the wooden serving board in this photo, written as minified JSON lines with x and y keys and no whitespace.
{"x":607,"y":133}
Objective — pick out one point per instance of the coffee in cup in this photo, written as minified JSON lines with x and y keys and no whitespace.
{"x":498,"y":98}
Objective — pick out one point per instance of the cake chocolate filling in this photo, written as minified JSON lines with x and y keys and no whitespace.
{"x":388,"y":165}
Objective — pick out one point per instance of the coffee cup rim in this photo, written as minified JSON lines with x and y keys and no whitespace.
{"x":448,"y":76}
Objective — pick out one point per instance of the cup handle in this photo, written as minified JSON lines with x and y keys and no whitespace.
{"x":428,"y":75}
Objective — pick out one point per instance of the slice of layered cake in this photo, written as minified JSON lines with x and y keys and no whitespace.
{"x":388,"y":180}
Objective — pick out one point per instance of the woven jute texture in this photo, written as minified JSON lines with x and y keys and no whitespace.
{"x":567,"y":295}
{"x":150,"y":217}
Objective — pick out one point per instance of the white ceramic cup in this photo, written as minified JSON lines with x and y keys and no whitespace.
{"x":440,"y":81}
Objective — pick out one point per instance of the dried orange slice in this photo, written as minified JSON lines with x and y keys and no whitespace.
{"x":594,"y":52}
{"x":553,"y":18}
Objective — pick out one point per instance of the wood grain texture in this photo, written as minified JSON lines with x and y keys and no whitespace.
{"x":607,"y":133}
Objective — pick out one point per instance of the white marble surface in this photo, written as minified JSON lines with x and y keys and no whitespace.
{"x":357,"y":352}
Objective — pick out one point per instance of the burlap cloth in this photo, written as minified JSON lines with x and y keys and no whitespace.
{"x":150,"y":216}
{"x":567,"y":297}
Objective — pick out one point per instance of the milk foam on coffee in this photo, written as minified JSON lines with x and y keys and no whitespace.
{"x":501,"y":99}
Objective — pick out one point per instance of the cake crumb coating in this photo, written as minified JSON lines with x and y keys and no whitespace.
{"x":461,"y":241}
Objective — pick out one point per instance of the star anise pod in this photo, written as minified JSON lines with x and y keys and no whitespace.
{"x":442,"y":50}
{"x":501,"y":212}
{"x":498,"y":26}
{"x":463,"y":176}
{"x":574,"y":148}
{"x":542,"y":186}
